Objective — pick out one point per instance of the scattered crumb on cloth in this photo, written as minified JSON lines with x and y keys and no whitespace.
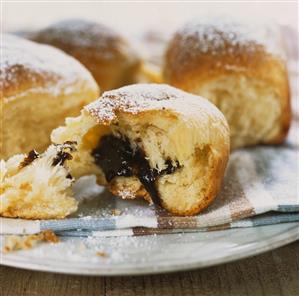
{"x":115,"y":212}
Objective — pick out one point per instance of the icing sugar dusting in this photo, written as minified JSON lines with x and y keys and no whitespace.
{"x":25,"y":64}
{"x":137,"y":98}
{"x":224,"y":37}
{"x":215,"y":37}
{"x":133,"y":99}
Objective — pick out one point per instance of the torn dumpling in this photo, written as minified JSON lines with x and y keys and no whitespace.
{"x":38,"y":186}
{"x":151,"y":141}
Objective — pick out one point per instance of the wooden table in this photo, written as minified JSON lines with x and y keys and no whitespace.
{"x":272,"y":273}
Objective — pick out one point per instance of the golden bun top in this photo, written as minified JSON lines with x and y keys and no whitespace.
{"x":96,"y":46}
{"x":219,"y":46}
{"x":26,"y":65}
{"x":81,"y":34}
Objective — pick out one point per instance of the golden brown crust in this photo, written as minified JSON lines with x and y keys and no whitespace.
{"x":28,"y":65}
{"x":107,"y":55}
{"x":24,"y":78}
{"x":211,"y":48}
{"x":202,"y":52}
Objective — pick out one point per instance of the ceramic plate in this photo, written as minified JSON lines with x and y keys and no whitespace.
{"x":151,"y":254}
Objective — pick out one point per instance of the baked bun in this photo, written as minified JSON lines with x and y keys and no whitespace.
{"x":40,"y":86}
{"x":108,"y":56}
{"x":37,"y":186}
{"x":241,"y":69}
{"x":151,"y":141}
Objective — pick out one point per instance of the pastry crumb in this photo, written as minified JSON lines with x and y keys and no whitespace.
{"x":25,"y":242}
{"x":50,"y":236}
{"x":115,"y":212}
{"x":102,"y":254}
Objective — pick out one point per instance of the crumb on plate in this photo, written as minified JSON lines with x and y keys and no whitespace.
{"x":25,"y":242}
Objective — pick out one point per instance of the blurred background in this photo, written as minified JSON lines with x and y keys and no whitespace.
{"x":130,"y":17}
{"x":150,"y":23}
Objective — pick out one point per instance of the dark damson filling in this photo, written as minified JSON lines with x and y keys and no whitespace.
{"x":115,"y":156}
{"x":31,"y":156}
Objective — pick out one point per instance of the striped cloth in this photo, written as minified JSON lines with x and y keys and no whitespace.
{"x":261,"y":187}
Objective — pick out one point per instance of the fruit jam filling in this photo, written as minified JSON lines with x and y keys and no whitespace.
{"x":115,"y":156}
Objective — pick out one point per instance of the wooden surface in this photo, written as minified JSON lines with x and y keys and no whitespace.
{"x":272,"y":273}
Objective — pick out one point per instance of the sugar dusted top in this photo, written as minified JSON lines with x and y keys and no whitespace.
{"x":225,"y":36}
{"x":138,"y":98}
{"x":222,"y":44}
{"x":28,"y":65}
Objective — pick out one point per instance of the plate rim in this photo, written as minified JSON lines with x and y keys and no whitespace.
{"x":272,"y":243}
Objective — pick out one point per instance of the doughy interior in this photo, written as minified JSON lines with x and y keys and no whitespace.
{"x":37,"y":186}
{"x":22,"y":124}
{"x":163,"y":141}
{"x":251,"y":107}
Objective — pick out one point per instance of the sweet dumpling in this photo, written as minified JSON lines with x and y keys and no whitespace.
{"x":241,"y":69}
{"x":151,"y":141}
